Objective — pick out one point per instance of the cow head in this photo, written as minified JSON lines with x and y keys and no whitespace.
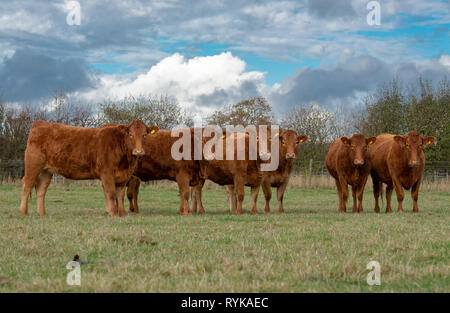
{"x":412,"y":144}
{"x":135,"y":134}
{"x":289,"y":143}
{"x":358,"y":146}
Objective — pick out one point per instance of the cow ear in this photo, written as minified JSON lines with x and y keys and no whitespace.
{"x":401,"y":140}
{"x":153,"y":129}
{"x":371,"y":140}
{"x":345,"y":140}
{"x":124,"y":128}
{"x":302,"y":138}
{"x":428,"y":141}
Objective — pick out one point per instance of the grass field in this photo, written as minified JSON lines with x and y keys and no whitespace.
{"x":310,"y":248}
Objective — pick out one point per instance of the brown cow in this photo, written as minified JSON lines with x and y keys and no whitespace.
{"x":109,"y":154}
{"x":235,"y":172}
{"x":288,"y":151}
{"x":348,"y":161}
{"x":159,"y":164}
{"x":398,"y":161}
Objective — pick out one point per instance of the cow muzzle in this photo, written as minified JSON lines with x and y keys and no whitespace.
{"x":138,"y":153}
{"x":290,"y":155}
{"x":358,"y":162}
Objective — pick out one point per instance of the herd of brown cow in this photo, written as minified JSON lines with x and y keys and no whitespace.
{"x":123,"y":155}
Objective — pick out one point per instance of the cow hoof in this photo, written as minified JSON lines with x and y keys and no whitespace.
{"x":201,"y":212}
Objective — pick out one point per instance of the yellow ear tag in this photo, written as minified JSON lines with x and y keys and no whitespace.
{"x":301,"y":140}
{"x":370,"y":142}
{"x":429,"y":142}
{"x":223,"y":136}
{"x":153,"y":131}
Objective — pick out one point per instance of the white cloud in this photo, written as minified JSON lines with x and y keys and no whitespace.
{"x":204,"y":84}
{"x":188,"y":80}
{"x":445,"y":60}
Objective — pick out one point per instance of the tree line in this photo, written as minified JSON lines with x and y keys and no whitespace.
{"x":392,"y":108}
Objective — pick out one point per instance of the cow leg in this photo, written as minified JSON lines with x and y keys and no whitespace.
{"x":196,"y":198}
{"x":280,"y":195}
{"x":109,"y":188}
{"x":132,"y":194}
{"x":389,"y":190}
{"x":400,"y":194}
{"x":415,"y":195}
{"x":231,"y":195}
{"x":344,"y":194}
{"x":27,"y":186}
{"x":43,"y":180}
{"x":360,"y":193}
{"x":183,"y":187}
{"x":376,"y":193}
{"x":201,"y":209}
{"x":28,"y":182}
{"x":355,"y":207}
{"x":193,"y":195}
{"x":339,"y":190}
{"x":130,"y":197}
{"x":239,"y":188}
{"x":267,"y":194}
{"x":254,"y":194}
{"x":135,"y":197}
{"x":120,"y":196}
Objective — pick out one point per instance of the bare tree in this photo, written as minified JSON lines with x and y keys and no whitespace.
{"x":163,"y":111}
{"x":253,"y":111}
{"x":318,"y":124}
{"x":68,"y":112}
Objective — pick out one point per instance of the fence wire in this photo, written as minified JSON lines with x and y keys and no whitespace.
{"x":12,"y":170}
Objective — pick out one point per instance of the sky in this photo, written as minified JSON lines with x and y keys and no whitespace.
{"x":207,"y":54}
